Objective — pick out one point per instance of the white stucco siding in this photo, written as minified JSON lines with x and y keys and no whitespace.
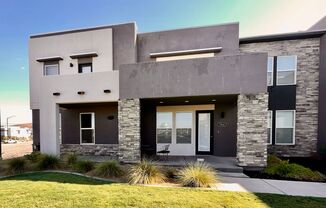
{"x":65,"y":45}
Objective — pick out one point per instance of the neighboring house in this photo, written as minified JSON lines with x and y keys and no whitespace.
{"x":18,"y":131}
{"x":112,"y":91}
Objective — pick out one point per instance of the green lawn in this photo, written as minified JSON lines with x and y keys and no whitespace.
{"x":66,"y":190}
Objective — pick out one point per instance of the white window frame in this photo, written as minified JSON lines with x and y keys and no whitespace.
{"x":47,"y":65}
{"x":295,"y":71}
{"x":294,"y":119}
{"x":272,"y":57}
{"x":271,"y":127}
{"x":92,"y":128}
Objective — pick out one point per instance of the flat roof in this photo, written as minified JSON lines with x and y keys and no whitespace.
{"x":79,"y":30}
{"x":284,"y":36}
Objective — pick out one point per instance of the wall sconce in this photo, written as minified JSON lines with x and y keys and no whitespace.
{"x":56,"y":93}
{"x":107,"y":91}
{"x":110,"y":117}
{"x":71,"y":65}
{"x":80,"y":92}
{"x":222,"y":114}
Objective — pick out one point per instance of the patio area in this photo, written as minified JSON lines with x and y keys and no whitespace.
{"x":223,"y":164}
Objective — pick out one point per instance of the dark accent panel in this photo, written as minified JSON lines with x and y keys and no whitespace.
{"x":148,"y":127}
{"x":36,"y":129}
{"x":282,"y":97}
{"x":106,"y":130}
{"x":225,"y":129}
{"x":322,"y":95}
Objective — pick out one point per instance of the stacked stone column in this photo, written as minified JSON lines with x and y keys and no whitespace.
{"x":252,"y":130}
{"x":129,"y":130}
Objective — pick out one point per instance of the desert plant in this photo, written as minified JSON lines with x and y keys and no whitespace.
{"x":145,"y":172}
{"x":33,"y":157}
{"x":17,"y":165}
{"x":109,"y":168}
{"x":48,"y":162}
{"x":84,"y":166}
{"x":171,"y":173}
{"x":71,"y":159}
{"x":197,"y":174}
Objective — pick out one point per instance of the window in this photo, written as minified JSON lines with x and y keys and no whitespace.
{"x":270,"y":66}
{"x":85,"y":68}
{"x":286,"y":70}
{"x":51,"y":69}
{"x":164,"y":127}
{"x":87,"y":128}
{"x":269,"y":127}
{"x":183,"y":127}
{"x":285,"y":122}
{"x":85,"y":65}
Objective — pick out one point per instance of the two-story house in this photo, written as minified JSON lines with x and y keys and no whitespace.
{"x":198,"y":91}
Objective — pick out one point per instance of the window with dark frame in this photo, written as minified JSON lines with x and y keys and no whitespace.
{"x":85,"y":68}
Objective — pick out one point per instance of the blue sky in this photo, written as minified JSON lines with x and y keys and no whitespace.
{"x":20,"y":18}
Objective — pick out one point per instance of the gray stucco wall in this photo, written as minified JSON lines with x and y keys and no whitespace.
{"x":106,"y":130}
{"x":218,"y":75}
{"x":124,"y":44}
{"x":307,"y":51}
{"x":226,"y":36}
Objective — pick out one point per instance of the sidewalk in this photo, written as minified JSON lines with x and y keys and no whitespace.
{"x":295,"y":188}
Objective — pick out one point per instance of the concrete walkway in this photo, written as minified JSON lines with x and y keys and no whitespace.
{"x":294,"y":188}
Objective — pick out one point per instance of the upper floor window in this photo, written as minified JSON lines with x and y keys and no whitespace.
{"x":51,"y":69}
{"x":286,"y":70}
{"x":270,"y":66}
{"x":85,"y":65}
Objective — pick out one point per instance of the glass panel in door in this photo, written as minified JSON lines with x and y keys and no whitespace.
{"x":204,"y":132}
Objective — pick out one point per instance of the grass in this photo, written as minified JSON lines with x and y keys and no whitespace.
{"x":145,"y":172}
{"x":66,"y":190}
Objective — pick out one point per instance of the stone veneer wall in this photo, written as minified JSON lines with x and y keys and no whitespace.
{"x":90,"y":150}
{"x":129,"y":130}
{"x":252,"y":130}
{"x":306,"y":125}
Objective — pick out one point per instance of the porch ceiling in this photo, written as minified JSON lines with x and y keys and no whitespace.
{"x":193,"y":100}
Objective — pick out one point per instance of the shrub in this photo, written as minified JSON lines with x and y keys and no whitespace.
{"x":273,"y":160}
{"x":17,"y":165}
{"x":48,"y":162}
{"x":146,"y":172}
{"x":71,"y":159}
{"x":198,"y":175}
{"x":284,"y":169}
{"x":84,"y":166}
{"x":33,"y":157}
{"x":109,"y":168}
{"x":171,"y":173}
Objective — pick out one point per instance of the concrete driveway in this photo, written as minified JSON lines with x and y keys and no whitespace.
{"x":294,"y":188}
{"x":16,"y":150}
